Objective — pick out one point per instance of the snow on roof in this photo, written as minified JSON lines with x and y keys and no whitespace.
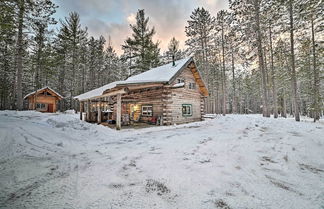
{"x":97,"y":92}
{"x":178,"y":85}
{"x":46,"y":87}
{"x":162,"y":73}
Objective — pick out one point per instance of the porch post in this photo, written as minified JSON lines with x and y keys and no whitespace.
{"x":118,"y":121}
{"x":81,"y":109}
{"x":99,"y":112}
{"x":88,"y":111}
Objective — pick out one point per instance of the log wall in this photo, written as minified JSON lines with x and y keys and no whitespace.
{"x":44,"y":99}
{"x":176,"y":97}
{"x":149,"y":96}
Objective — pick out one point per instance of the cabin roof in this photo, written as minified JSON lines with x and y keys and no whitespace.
{"x":42,"y":89}
{"x":162,"y":74}
{"x":97,"y":92}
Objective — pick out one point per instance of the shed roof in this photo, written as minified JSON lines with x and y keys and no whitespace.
{"x":42,"y":89}
{"x":162,"y":74}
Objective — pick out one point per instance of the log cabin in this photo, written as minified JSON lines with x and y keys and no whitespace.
{"x":170,"y":94}
{"x":43,"y":100}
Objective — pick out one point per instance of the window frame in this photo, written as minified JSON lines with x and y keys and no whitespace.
{"x":181,"y":80}
{"x":192,"y":86}
{"x":42,"y":106}
{"x":186,"y":114}
{"x":147,"y":111}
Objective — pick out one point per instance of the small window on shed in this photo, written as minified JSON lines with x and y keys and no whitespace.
{"x":40,"y":106}
{"x":147,"y":110}
{"x":186,"y":110}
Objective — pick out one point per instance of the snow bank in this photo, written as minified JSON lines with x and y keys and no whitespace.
{"x":237,"y":161}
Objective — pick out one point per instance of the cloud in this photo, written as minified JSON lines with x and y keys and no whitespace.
{"x":112,"y":17}
{"x":131,"y":19}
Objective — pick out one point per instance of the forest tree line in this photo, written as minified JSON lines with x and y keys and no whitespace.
{"x":258,"y":56}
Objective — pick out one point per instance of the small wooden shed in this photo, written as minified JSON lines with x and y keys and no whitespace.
{"x":43,"y":100}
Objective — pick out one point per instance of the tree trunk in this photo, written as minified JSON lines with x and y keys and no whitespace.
{"x":118,"y":119}
{"x":39,"y":55}
{"x":19,"y":55}
{"x":293,"y":70}
{"x":284,"y":105}
{"x":274,"y":89}
{"x":234,"y":87}
{"x":223,"y":72}
{"x":261,"y":61}
{"x":316,"y":77}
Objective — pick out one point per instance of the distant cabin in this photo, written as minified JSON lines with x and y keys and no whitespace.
{"x":43,"y":100}
{"x":170,"y":94}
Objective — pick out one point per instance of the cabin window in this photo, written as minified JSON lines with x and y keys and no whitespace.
{"x":181,"y":80}
{"x":192,"y":86}
{"x":40,"y":106}
{"x":186,"y":110}
{"x":147,"y":110}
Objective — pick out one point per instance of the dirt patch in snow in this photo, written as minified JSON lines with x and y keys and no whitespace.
{"x":156,"y":187}
{"x":221,"y":204}
{"x":310,"y":168}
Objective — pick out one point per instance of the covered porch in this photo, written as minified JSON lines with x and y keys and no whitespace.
{"x":135,"y":106}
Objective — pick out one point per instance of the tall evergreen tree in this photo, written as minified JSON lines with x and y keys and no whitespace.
{"x":43,"y":17}
{"x":292,"y":59}
{"x":200,"y":31}
{"x":173,"y":52}
{"x":72,"y":35}
{"x":143,"y":50}
{"x":7,"y":52}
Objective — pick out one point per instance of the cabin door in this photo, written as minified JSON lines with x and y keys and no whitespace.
{"x":50,"y":107}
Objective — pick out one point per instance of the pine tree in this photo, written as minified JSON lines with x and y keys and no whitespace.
{"x":72,"y":34}
{"x":173,"y":53}
{"x":292,"y":60}
{"x":200,"y":31}
{"x":140,"y":46}
{"x":311,"y":12}
{"x":42,"y":18}
{"x":7,"y":52}
{"x":19,"y":52}
{"x":221,"y":15}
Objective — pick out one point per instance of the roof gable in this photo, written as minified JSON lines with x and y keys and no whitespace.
{"x":46,"y":88}
{"x":191,"y":66}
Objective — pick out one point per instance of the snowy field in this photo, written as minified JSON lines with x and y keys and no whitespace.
{"x":237,"y":161}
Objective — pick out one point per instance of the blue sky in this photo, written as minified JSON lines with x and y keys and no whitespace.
{"x":112,"y":17}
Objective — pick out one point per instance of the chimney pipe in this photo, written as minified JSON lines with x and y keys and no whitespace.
{"x":173,"y":62}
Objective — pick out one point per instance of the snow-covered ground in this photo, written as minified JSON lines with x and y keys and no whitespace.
{"x":237,"y":161}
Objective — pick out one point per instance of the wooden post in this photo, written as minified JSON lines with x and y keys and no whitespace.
{"x":88,"y":111}
{"x":54,"y":106}
{"x":81,"y":109}
{"x":118,"y":119}
{"x":99,"y":112}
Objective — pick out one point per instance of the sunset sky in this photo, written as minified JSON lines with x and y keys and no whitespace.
{"x":112,"y":17}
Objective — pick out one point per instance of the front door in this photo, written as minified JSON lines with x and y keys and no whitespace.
{"x":50,"y":107}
